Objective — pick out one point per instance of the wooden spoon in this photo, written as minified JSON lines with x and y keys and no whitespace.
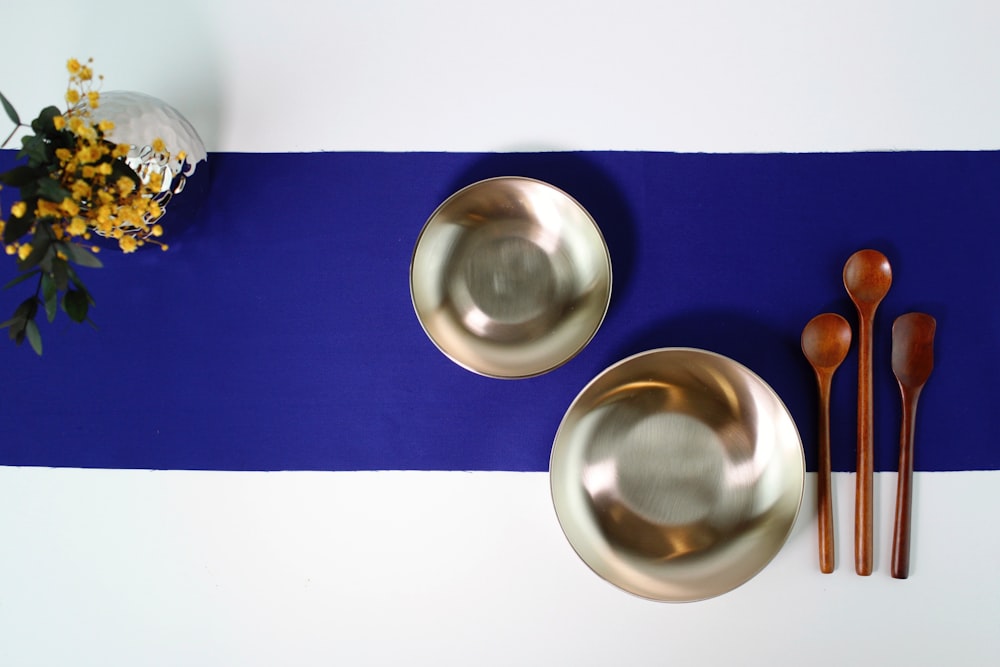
{"x":825,"y":342}
{"x":912,"y":362}
{"x":867,"y":277}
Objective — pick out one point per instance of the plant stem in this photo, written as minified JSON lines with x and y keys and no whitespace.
{"x":12,"y":133}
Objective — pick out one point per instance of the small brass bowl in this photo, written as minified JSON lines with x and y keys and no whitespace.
{"x":677,"y":474}
{"x":510,"y":277}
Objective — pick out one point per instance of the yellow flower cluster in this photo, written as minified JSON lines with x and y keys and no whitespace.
{"x":99,"y":202}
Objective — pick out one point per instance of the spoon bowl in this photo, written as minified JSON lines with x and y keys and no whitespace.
{"x":826,"y":340}
{"x":867,"y":277}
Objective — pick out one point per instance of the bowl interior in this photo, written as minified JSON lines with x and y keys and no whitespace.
{"x":677,"y":474}
{"x":510,"y":277}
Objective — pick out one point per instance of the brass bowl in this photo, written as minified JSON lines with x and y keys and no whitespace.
{"x":677,"y":474}
{"x":510,"y":277}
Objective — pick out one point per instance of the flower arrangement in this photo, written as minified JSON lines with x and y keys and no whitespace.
{"x":75,"y":186}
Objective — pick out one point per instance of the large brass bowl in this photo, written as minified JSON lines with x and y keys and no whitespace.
{"x":677,"y":474}
{"x":510,"y":277}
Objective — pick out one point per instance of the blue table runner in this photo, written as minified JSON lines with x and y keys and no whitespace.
{"x":277,"y":333}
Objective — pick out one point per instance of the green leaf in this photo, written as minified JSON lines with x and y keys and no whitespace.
{"x":75,"y":279}
{"x":49,"y":188}
{"x":27,"y":308}
{"x":80,"y":255}
{"x":34,"y":336}
{"x":17,"y":227}
{"x":50,"y":296}
{"x":25,"y":313}
{"x":20,"y":279}
{"x":35,"y":149}
{"x":75,"y":303}
{"x":43,"y":124}
{"x":41,"y":243}
{"x":9,"y":108}
{"x":60,"y":273}
{"x":20,"y":176}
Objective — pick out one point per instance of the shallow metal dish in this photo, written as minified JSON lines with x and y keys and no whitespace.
{"x":510,"y":277}
{"x":677,"y":474}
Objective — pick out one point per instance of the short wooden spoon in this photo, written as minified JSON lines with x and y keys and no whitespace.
{"x":867,"y":277}
{"x":912,"y":362}
{"x":825,"y":342}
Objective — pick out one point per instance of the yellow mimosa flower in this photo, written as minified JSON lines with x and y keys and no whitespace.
{"x":73,"y":66}
{"x":19,"y":209}
{"x":130,"y":215}
{"x":73,"y":97}
{"x":86,"y":132}
{"x":70,"y":207}
{"x":45,"y":208}
{"x":155,"y":182}
{"x":59,"y":123}
{"x":77,"y":227}
{"x":24,"y":251}
{"x":125,"y":185}
{"x":159,"y":146}
{"x":93,"y":98}
{"x":80,"y":189}
{"x":88,"y":154}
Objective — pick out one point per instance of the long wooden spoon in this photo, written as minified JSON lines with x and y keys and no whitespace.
{"x":912,"y":362}
{"x":825,"y":342}
{"x":867,"y":277}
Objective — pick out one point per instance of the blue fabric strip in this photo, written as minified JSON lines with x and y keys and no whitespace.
{"x":278,"y":334}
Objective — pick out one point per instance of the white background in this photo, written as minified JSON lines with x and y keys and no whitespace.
{"x":456,"y":568}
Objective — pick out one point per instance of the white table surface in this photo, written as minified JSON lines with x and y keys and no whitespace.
{"x":112,"y":567}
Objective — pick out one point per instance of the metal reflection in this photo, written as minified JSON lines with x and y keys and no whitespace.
{"x":677,"y":474}
{"x":510,"y":277}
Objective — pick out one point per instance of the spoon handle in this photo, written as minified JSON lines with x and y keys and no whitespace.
{"x":865,"y":459}
{"x":904,"y":487}
{"x":824,"y":494}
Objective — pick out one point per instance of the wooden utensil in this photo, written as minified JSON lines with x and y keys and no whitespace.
{"x":825,"y":342}
{"x":867,"y":277}
{"x":912,"y":362}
